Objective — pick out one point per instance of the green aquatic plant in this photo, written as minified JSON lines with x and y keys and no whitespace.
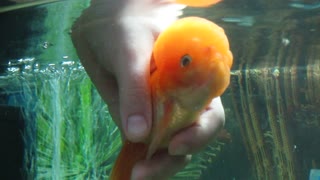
{"x":69,"y":131}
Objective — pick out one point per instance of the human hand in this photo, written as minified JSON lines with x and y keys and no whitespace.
{"x":187,"y":141}
{"x":114,"y":41}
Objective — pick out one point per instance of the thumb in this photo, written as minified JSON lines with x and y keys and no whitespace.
{"x":135,"y":100}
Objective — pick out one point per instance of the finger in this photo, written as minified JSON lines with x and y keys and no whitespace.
{"x":104,"y":82}
{"x":133,"y":71}
{"x":126,"y":57}
{"x":135,"y":103}
{"x":197,"y":136}
{"x":161,"y":166}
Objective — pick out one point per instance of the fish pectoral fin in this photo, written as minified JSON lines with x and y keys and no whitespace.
{"x":161,"y":129}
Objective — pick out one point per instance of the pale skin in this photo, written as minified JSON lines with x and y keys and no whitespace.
{"x":115,"y":50}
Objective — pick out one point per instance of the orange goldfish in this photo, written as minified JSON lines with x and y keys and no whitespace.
{"x":192,"y":66}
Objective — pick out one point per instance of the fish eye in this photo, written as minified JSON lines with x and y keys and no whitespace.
{"x":185,"y":60}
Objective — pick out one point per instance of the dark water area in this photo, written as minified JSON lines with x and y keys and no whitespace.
{"x":272,"y":103}
{"x":11,"y":151}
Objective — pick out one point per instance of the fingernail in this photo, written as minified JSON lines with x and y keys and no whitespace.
{"x":180,"y":150}
{"x":137,"y":127}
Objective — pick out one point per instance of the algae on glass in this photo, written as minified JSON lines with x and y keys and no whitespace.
{"x":51,"y":26}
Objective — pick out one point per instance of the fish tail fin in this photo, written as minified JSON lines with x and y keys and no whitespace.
{"x":129,"y":155}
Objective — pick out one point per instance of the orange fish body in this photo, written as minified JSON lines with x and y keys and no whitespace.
{"x":193,"y":61}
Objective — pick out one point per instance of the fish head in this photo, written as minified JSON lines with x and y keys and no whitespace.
{"x":193,"y":53}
